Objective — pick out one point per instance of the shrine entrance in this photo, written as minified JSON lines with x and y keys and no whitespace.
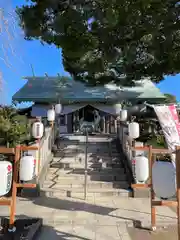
{"x":87,"y":114}
{"x":103,"y":122}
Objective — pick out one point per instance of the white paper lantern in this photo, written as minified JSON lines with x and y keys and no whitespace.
{"x":58,"y":108}
{"x":51,"y":115}
{"x":27,"y":169}
{"x":117,"y":108}
{"x":123,"y":115}
{"x":173,"y":159}
{"x":6,"y":173}
{"x":164,"y":179}
{"x":133,"y":129}
{"x":37,"y":130}
{"x":141,"y":168}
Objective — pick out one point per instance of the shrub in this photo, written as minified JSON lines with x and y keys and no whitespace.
{"x":14,"y":128}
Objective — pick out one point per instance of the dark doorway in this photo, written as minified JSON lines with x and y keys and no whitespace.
{"x":88,"y":113}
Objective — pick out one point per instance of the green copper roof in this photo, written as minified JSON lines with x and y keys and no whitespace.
{"x":43,"y":89}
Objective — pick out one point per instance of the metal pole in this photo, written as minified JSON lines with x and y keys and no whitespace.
{"x":86,"y":166}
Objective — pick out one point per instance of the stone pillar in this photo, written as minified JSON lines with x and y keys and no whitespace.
{"x":115,"y":126}
{"x":110,"y":123}
{"x":104,"y":124}
{"x":107,"y":119}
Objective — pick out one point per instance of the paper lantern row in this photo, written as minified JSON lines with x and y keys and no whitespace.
{"x":163,"y":176}
{"x":27,"y":173}
{"x":51,"y":113}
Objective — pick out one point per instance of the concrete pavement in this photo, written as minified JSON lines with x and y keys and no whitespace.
{"x":93,"y":219}
{"x":102,"y":216}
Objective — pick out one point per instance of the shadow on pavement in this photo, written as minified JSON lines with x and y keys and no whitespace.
{"x":161,"y":233}
{"x":69,"y":205}
{"x":65,"y":204}
{"x":48,"y":233}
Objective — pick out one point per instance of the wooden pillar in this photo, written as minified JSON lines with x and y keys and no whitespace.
{"x":152,"y":159}
{"x":14,"y":187}
{"x":107,"y":124}
{"x":112,"y":124}
{"x":115,"y":125}
{"x":104,"y":124}
{"x":83,"y":113}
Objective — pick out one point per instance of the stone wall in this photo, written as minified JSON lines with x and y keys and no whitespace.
{"x":126,"y":143}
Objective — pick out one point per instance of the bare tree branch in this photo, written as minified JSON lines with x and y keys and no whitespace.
{"x":9,"y":33}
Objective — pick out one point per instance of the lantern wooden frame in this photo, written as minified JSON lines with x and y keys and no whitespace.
{"x":11,"y":202}
{"x":155,"y":203}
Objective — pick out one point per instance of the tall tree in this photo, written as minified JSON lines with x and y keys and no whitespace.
{"x":105,"y":40}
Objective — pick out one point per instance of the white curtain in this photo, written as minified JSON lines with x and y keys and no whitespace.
{"x":111,"y":109}
{"x":41,"y":110}
{"x":72,"y":108}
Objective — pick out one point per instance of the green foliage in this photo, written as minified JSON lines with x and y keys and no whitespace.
{"x":161,"y":140}
{"x":151,"y":131}
{"x":14,"y":128}
{"x":157,"y":142}
{"x":105,"y":40}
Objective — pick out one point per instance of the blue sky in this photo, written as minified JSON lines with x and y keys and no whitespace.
{"x":44,"y":59}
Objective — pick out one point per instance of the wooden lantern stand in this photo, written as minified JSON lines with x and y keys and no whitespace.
{"x":155,"y":203}
{"x":11,"y":202}
{"x":38,"y":141}
{"x":52,"y":124}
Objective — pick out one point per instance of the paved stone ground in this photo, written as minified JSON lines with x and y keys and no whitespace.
{"x":96,"y":218}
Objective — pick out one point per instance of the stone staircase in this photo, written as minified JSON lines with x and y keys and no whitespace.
{"x":106,"y":175}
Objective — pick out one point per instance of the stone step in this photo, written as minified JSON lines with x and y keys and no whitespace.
{"x":94,"y":177}
{"x":80,"y":144}
{"x":116,"y":171}
{"x":70,"y":154}
{"x":82,"y":159}
{"x":103,"y":153}
{"x":79,"y":193}
{"x":82,"y":154}
{"x":64,"y":184}
{"x":90,"y":165}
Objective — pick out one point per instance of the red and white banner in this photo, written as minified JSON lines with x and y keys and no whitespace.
{"x":170,"y":124}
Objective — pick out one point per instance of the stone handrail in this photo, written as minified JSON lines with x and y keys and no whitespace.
{"x":126,"y":144}
{"x":44,"y":153}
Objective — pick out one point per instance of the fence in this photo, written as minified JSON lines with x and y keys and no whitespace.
{"x":11,"y":201}
{"x":44,"y":152}
{"x":152,"y":152}
{"x":126,"y":144}
{"x":130,"y":150}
